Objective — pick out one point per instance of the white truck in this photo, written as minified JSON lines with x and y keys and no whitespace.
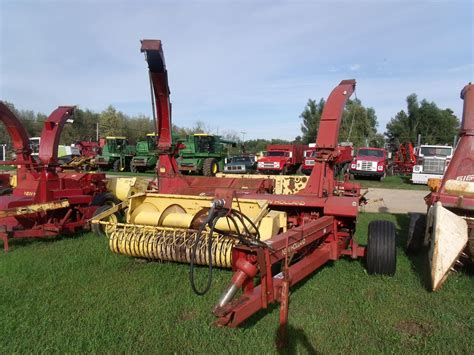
{"x":432,"y":161}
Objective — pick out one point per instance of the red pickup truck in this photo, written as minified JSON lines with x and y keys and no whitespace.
{"x":281,"y":159}
{"x":370,"y":162}
{"x":342,"y":160}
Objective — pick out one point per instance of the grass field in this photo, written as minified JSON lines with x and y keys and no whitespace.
{"x":391,"y":182}
{"x":73,"y":295}
{"x":7,"y":168}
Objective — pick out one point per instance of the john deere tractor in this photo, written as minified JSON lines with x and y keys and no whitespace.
{"x":146,"y":157}
{"x":202,"y":154}
{"x":116,"y":154}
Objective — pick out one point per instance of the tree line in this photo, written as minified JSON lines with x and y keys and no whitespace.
{"x":359,"y":126}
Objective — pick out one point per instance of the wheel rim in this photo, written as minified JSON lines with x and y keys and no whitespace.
{"x":214,"y":168}
{"x":111,"y":219}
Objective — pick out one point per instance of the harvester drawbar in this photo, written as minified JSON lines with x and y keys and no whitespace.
{"x":240,"y":223}
{"x":46,"y":203}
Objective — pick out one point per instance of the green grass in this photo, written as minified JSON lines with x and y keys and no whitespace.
{"x":391,"y":182}
{"x":125,"y":173}
{"x":7,"y":167}
{"x":73,"y":295}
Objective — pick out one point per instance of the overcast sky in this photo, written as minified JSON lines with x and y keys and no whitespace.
{"x":247,"y":66}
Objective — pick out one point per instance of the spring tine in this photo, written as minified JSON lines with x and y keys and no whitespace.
{"x":166,"y":244}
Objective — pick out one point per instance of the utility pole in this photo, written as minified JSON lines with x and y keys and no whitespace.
{"x":243,"y":136}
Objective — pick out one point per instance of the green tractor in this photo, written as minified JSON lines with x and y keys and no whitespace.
{"x":116,"y":154}
{"x":202,"y":154}
{"x":146,"y":157}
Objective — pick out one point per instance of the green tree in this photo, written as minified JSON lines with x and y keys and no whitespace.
{"x":436,"y":126}
{"x":111,"y":122}
{"x":84,"y":127}
{"x":359,"y":123}
{"x":311,"y":117}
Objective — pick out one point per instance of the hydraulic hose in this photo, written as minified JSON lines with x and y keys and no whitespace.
{"x":216,"y":212}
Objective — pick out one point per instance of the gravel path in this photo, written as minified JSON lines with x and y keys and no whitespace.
{"x":395,"y":201}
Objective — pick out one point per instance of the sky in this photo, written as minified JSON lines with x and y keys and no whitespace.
{"x":239,"y":66}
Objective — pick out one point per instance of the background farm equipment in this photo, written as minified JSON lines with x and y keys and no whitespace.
{"x":203,"y":154}
{"x":448,"y":228}
{"x":88,"y":148}
{"x":46,"y":203}
{"x":233,"y":223}
{"x":116,"y":154}
{"x":85,"y":160}
{"x":404,"y":159}
{"x":146,"y":155}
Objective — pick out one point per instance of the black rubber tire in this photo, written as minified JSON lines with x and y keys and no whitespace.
{"x":105,"y":199}
{"x":5,"y":191}
{"x":134,"y":169}
{"x":207,"y":167}
{"x":416,"y":232}
{"x":117,"y":166}
{"x":99,"y":229}
{"x":381,"y":248}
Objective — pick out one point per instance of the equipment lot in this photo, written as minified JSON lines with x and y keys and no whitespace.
{"x":72,"y":293}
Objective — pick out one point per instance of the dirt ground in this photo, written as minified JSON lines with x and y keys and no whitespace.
{"x":394,"y":201}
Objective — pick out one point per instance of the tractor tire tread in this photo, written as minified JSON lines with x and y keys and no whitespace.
{"x":207,"y":166}
{"x":105,"y":198}
{"x":416,"y":232}
{"x":6,"y":191}
{"x":98,"y":229}
{"x":381,"y":248}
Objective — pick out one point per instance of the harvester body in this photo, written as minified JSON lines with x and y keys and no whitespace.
{"x":45,"y":203}
{"x":202,"y":154}
{"x":116,"y":154}
{"x":450,"y":218}
{"x":146,"y":155}
{"x":239,"y":223}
